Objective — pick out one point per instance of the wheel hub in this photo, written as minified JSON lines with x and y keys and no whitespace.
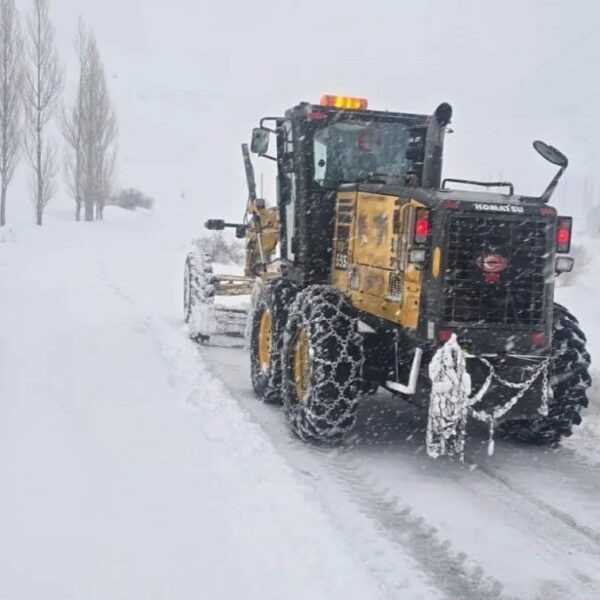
{"x":265,"y":340}
{"x":302,"y":370}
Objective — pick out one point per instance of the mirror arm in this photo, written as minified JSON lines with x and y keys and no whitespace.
{"x":249,"y":170}
{"x":276,"y":119}
{"x":552,"y":186}
{"x":268,"y":156}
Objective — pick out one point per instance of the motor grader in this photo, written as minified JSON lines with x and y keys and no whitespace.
{"x":370,"y":262}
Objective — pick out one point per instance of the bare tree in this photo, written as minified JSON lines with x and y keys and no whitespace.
{"x":72,"y":124}
{"x":100,"y":135}
{"x":11,"y":78}
{"x":91,"y":133}
{"x":107,"y":182}
{"x":43,"y":83}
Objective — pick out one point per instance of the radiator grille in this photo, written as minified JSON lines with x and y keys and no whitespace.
{"x":395,"y":291}
{"x":341,"y":247}
{"x":517,"y":297}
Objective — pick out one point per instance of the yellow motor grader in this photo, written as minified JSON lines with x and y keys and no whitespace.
{"x":370,"y":263}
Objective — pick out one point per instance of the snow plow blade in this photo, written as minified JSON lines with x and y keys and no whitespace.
{"x":206,"y":309}
{"x":230,"y":321}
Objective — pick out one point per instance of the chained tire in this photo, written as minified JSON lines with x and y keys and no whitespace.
{"x":189,"y":288}
{"x":198,"y":295}
{"x":569,"y":382}
{"x":322,"y":366}
{"x":267,"y":327}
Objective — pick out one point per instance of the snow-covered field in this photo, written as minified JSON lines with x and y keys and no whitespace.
{"x":136,"y":465}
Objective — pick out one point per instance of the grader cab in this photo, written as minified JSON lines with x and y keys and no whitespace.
{"x":372,"y":272}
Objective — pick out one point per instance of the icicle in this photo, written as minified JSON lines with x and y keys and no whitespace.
{"x":451,"y":399}
{"x":450,"y":389}
{"x":490,"y":448}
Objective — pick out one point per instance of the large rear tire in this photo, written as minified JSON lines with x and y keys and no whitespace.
{"x":322,"y":366}
{"x":269,"y":317}
{"x":569,"y":382}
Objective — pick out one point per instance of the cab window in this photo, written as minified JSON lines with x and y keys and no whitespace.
{"x":353,"y":151}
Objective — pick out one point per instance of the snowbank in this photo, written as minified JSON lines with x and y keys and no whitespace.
{"x":127,"y":470}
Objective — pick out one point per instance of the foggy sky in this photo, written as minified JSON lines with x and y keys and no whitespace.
{"x":191,"y":78}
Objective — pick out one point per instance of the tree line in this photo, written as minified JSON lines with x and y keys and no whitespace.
{"x":31,"y":85}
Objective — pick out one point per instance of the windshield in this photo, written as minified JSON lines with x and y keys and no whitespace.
{"x":346,"y":152}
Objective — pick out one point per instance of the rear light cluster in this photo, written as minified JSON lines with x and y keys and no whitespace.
{"x":421,"y":226}
{"x":563,"y":234}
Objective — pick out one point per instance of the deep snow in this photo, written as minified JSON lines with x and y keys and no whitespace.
{"x":134,"y":465}
{"x":127,"y":470}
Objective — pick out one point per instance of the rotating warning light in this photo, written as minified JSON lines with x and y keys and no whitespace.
{"x":346,"y":102}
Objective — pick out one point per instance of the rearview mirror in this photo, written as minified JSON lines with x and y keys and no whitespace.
{"x":556,"y":157}
{"x":551,"y":154}
{"x":260,"y":141}
{"x":443,"y":114}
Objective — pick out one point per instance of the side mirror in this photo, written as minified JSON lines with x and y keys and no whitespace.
{"x":260,"y":141}
{"x":551,"y":154}
{"x":556,"y":157}
{"x":443,"y":114}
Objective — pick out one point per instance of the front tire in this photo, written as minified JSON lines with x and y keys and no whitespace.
{"x":569,"y":382}
{"x":322,"y":365}
{"x":199,"y":296}
{"x":189,"y":288}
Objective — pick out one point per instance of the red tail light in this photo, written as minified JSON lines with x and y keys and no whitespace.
{"x":444,"y":335}
{"x":421,"y":226}
{"x":563,"y":234}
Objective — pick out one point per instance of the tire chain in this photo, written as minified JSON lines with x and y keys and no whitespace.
{"x":568,"y":385}
{"x":336,"y":365}
{"x":276,"y":296}
{"x":201,"y":292}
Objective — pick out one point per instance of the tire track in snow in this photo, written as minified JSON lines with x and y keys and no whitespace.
{"x":566,"y":519}
{"x":383,"y":574}
{"x":453,"y":573}
{"x":543,"y":527}
{"x":568,"y":541}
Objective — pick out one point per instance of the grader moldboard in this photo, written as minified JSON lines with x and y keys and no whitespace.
{"x":373,"y":272}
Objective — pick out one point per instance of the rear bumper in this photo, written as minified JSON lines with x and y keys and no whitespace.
{"x":535,"y":341}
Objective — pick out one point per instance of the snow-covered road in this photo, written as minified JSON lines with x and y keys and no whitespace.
{"x":136,"y":465}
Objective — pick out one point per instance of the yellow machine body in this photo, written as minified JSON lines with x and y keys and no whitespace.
{"x":371,"y":250}
{"x":262,"y":233}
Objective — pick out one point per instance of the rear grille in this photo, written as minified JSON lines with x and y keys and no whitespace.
{"x":517,"y":297}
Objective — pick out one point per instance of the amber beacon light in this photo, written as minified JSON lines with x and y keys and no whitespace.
{"x":346,"y":102}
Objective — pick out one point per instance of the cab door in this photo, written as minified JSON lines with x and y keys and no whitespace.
{"x":286,"y":188}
